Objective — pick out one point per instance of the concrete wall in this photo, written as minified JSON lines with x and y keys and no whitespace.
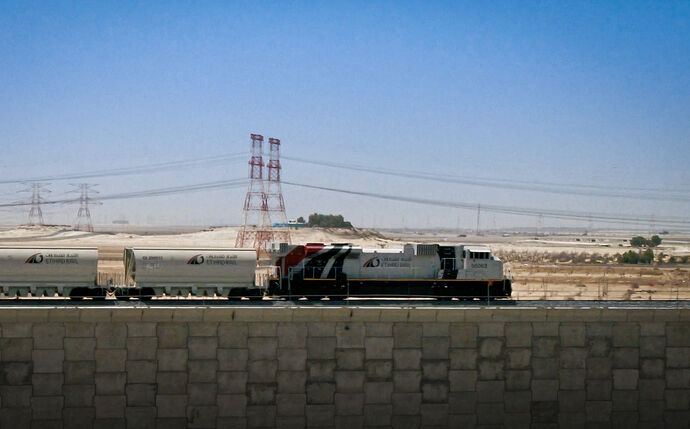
{"x":342,"y":367}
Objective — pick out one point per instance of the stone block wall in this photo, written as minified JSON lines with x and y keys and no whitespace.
{"x":344,"y":367}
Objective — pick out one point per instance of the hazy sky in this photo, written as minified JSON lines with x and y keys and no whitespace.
{"x":573,"y":92}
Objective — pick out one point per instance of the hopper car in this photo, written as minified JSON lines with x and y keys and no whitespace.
{"x":314,"y":271}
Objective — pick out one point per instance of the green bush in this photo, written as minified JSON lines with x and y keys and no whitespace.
{"x":328,"y":221}
{"x":640,"y":241}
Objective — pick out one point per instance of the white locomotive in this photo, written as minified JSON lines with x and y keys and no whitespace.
{"x":314,"y":270}
{"x":343,"y":270}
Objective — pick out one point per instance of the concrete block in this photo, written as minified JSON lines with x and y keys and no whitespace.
{"x":172,"y":383}
{"x":599,"y":347}
{"x":599,"y":368}
{"x":204,"y":329}
{"x":349,"y":381}
{"x":110,"y":383}
{"x":572,"y":334}
{"x":78,"y":396}
{"x":379,"y":370}
{"x":652,"y":346}
{"x":625,"y":400}
{"x":463,"y":335}
{"x":407,"y":381}
{"x":491,"y":369}
{"x":378,"y":329}
{"x":434,"y":415}
{"x":572,"y":379}
{"x":321,"y":348}
{"x":650,"y":329}
{"x":16,"y":330}
{"x":292,"y":359}
{"x":378,"y":392}
{"x":463,"y":358}
{"x":109,"y":407}
{"x":321,"y":370}
{"x":172,"y":335}
{"x":466,"y":402}
{"x":47,"y":361}
{"x":16,"y":418}
{"x":80,"y":330}
{"x":141,"y":371}
{"x":291,"y":381}
{"x":651,"y":411}
{"x":142,"y":395}
{"x":172,"y":359}
{"x":292,"y":335}
{"x":48,"y":336}
{"x":599,"y":329}
{"x":349,"y":359}
{"x":626,"y":334}
{"x":47,"y":384}
{"x":233,"y":335}
{"x":571,"y":401}
{"x":544,"y":390}
{"x":204,"y":371}
{"x":171,"y":405}
{"x":262,"y":371}
{"x":349,"y":404}
{"x":407,"y":358}
{"x":437,"y":329}
{"x":573,"y":358}
{"x":176,"y":422}
{"x":652,"y":390}
{"x":345,"y":422}
{"x":377,"y":415}
{"x":516,"y":401}
{"x":141,"y":329}
{"x":518,"y":358}
{"x":111,"y":335}
{"x":79,"y":372}
{"x":179,"y":315}
{"x":435,"y":370}
{"x":203,"y":348}
{"x":544,"y":412}
{"x":349,"y":335}
{"x":143,"y":417}
{"x":598,"y":411}
{"x":232,"y":359}
{"x":320,"y":415}
{"x":518,"y":334}
{"x":407,"y":335}
{"x":675,"y":399}
{"x":366,"y":314}
{"x":678,"y":334}
{"x":626,"y":357}
{"x":321,"y":329}
{"x":435,"y":392}
{"x":490,"y":348}
{"x":82,"y":417}
{"x":47,"y":407}
{"x":15,"y":396}
{"x":462,"y":381}
{"x":544,"y":347}
{"x":261,"y":393}
{"x":678,"y":378}
{"x":110,"y":360}
{"x":232,"y":382}
{"x":262,"y":348}
{"x":320,"y":392}
{"x":16,"y":349}
{"x":142,"y":348}
{"x":492,"y":329}
{"x":677,"y":357}
{"x":290,"y":404}
{"x":652,"y":368}
{"x":518,"y":379}
{"x":378,"y":348}
{"x":394,"y":315}
{"x":435,"y":348}
{"x":545,"y":329}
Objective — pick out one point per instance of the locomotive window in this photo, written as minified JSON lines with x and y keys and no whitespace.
{"x":463,"y":254}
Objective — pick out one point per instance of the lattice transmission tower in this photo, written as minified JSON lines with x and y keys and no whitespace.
{"x":36,"y":213}
{"x":274,"y":194}
{"x":256,"y":228}
{"x":84,"y":222}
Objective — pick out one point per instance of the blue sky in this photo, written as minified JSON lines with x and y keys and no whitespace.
{"x":577,"y":92}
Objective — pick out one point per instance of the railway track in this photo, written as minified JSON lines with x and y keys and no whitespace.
{"x":380,"y":303}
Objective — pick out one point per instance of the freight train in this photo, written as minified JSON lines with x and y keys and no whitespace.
{"x":312,"y":271}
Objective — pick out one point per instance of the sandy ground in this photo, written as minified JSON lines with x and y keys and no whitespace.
{"x":554,"y":267}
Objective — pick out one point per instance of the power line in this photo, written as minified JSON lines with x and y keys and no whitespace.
{"x":520,"y":211}
{"x":545,"y":187}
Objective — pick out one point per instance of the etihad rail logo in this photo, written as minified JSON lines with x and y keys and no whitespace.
{"x":196,"y":260}
{"x":372,"y":263}
{"x":36,"y":258}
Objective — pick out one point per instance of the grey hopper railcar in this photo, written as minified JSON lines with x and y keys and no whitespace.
{"x":47,"y":271}
{"x":199,"y":272}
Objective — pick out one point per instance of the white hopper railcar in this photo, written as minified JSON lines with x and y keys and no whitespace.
{"x":47,"y":271}
{"x":199,"y":272}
